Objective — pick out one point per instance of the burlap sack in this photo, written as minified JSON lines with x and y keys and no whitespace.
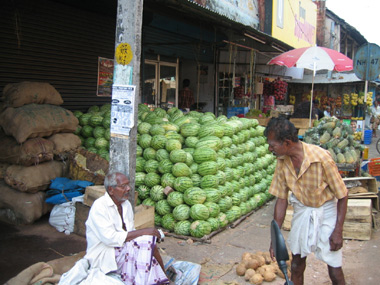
{"x":21,"y":208}
{"x":31,"y":152}
{"x":23,"y":93}
{"x":35,"y":178}
{"x":34,"y":120}
{"x":64,"y":144}
{"x":3,"y":169}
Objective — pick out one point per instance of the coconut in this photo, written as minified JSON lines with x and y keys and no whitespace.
{"x":256,"y":279}
{"x":240,"y":269}
{"x":249,"y":273}
{"x":269,"y":275}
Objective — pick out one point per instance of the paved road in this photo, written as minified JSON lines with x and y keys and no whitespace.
{"x":22,"y":246}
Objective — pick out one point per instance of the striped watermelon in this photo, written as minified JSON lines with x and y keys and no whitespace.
{"x":182,"y":228}
{"x":165,"y":166}
{"x":208,"y":168}
{"x":181,"y":169}
{"x":209,"y":181}
{"x":140,"y":178}
{"x":157,"y":193}
{"x":212,"y":195}
{"x":157,"y":130}
{"x":149,"y":153}
{"x":172,"y":144}
{"x":210,"y":141}
{"x":158,"y":142}
{"x":199,"y":212}
{"x":151,"y":166}
{"x":196,"y":178}
{"x":143,"y":128}
{"x":181,"y":184}
{"x":144,"y":140}
{"x":190,"y":130}
{"x":175,"y":198}
{"x":143,"y":192}
{"x":168,"y":222}
{"x":199,"y":229}
{"x":162,"y":154}
{"x":213,"y":208}
{"x":214,"y":223}
{"x":171,"y":135}
{"x":204,"y":154}
{"x":167,"y":180}
{"x":194,"y":168}
{"x":178,"y":155}
{"x":225,"y":204}
{"x":162,"y":207}
{"x":191,"y":141}
{"x":152,"y":179}
{"x":181,"y":212}
{"x":194,"y":195}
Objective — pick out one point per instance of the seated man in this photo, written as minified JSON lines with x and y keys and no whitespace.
{"x":113,"y":245}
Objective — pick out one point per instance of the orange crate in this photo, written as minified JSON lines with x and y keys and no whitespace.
{"x":374,"y":166}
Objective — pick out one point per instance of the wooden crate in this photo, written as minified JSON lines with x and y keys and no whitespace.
{"x":92,"y":193}
{"x":263,"y":121}
{"x":301,"y":132}
{"x":368,"y":183}
{"x":144,"y":217}
{"x":300,"y":123}
{"x":358,"y":221}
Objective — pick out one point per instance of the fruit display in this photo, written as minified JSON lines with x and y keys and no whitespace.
{"x":337,"y":137}
{"x":94,"y":129}
{"x":280,"y":89}
{"x":217,"y":169}
{"x":259,"y":267}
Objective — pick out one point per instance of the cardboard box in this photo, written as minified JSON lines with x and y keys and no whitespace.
{"x":144,"y":217}
{"x":369,"y":183}
{"x":358,"y":221}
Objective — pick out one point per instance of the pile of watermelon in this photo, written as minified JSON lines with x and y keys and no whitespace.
{"x":94,"y":129}
{"x":219,"y":168}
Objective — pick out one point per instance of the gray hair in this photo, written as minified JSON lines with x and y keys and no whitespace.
{"x":110,"y":180}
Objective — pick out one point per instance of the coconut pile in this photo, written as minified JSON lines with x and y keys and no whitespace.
{"x":258,"y":267}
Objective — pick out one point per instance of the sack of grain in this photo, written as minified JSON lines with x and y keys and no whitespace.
{"x":21,"y":208}
{"x":23,"y":93}
{"x":35,"y":178}
{"x":64,"y":144}
{"x":33,"y":120}
{"x":3,"y":169}
{"x":31,"y":152}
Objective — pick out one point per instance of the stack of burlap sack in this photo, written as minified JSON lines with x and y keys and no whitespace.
{"x":36,"y":137}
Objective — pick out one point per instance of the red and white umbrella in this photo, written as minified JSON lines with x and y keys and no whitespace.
{"x":314,"y":58}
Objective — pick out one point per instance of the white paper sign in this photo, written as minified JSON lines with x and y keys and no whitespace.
{"x":122,"y":109}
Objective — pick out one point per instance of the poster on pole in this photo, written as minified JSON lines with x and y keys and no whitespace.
{"x":122,"y":109}
{"x":105,"y":76}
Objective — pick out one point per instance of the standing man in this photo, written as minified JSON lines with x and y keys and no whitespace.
{"x":113,"y":244}
{"x":186,"y":97}
{"x":318,"y":195}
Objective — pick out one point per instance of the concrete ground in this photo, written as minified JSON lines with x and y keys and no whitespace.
{"x":22,"y":246}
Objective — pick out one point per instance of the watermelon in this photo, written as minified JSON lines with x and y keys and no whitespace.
{"x":89,"y":142}
{"x":92,"y":149}
{"x":194,"y":168}
{"x":78,"y":130}
{"x":172,"y":144}
{"x":106,"y":123}
{"x":196,"y":178}
{"x":98,"y":132}
{"x":181,"y":212}
{"x":143,"y":128}
{"x":95,"y":120}
{"x":93,"y":109}
{"x":158,"y":142}
{"x":143,"y":192}
{"x":162,"y":207}
{"x":221,"y":177}
{"x":189,"y":159}
{"x":208,"y":168}
{"x":178,"y":155}
{"x":77,"y":113}
{"x":157,"y":193}
{"x":212,"y":195}
{"x":165,"y":166}
{"x":148,"y":202}
{"x":199,"y":229}
{"x":171,"y":135}
{"x":167,"y":180}
{"x":87,"y":131}
{"x":144,"y":140}
{"x":84,"y":119}
{"x":152,"y":179}
{"x":181,"y":169}
{"x":199,"y":212}
{"x":139,"y":151}
{"x":149,"y":153}
{"x":209,"y":181}
{"x":162,"y":154}
{"x":194,"y":195}
{"x":210,"y":141}
{"x":140,"y":163}
{"x":140,"y":178}
{"x":213,"y":209}
{"x":181,"y":184}
{"x":204,"y":154}
{"x":168,"y":222}
{"x":191,"y":142}
{"x":222,"y":220}
{"x":214,"y":223}
{"x":170,"y":126}
{"x":182,"y":228}
{"x":236,"y":198}
{"x":189,"y":130}
{"x":175,"y":198}
{"x":157,"y":130}
{"x":225,"y":204}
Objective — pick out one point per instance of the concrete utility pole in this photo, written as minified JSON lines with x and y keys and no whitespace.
{"x":125,"y":98}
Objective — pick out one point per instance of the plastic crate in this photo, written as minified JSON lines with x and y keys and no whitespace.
{"x":374,"y":166}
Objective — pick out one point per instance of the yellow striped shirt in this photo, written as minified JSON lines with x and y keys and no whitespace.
{"x":317,"y":182}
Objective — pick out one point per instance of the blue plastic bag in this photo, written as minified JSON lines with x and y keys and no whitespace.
{"x":62,"y":190}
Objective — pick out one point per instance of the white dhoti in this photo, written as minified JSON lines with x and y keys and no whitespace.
{"x":311,"y":230}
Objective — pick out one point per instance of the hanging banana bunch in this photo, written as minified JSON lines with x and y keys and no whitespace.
{"x":354,"y":99}
{"x":292,"y":99}
{"x":346,"y":99}
{"x":369,"y":99}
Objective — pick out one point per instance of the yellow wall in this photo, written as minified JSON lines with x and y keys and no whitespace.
{"x":296,"y":31}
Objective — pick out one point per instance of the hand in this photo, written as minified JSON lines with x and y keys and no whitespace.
{"x":336,"y":241}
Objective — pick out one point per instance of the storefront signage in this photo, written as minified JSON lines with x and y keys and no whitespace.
{"x":367,"y":62}
{"x":123,"y":54}
{"x":295,"y":22}
{"x":122,"y":109}
{"x":241,"y":11}
{"x":105,"y":76}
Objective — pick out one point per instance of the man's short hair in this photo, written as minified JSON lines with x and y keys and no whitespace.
{"x":282,"y":129}
{"x":110,"y":180}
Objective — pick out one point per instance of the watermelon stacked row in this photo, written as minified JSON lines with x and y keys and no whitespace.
{"x":219,"y":168}
{"x":94,"y":129}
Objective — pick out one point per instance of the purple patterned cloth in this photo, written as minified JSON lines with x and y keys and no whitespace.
{"x":136,"y":263}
